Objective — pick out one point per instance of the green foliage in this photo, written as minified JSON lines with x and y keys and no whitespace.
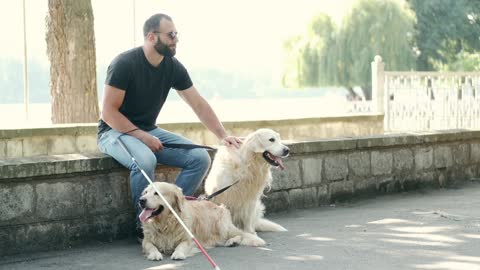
{"x":463,"y":62}
{"x":331,"y":57}
{"x":447,"y":31}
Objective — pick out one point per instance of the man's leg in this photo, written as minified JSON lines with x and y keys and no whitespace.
{"x":194,"y":162}
{"x":145,"y":158}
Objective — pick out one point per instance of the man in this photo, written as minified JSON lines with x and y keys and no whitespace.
{"x":136,"y":87}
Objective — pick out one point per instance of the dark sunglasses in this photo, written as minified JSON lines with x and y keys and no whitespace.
{"x":172,"y":34}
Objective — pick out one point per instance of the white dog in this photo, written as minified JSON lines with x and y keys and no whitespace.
{"x":210,"y":224}
{"x":250,"y":166}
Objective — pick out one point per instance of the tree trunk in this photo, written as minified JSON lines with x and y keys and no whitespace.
{"x":71,"y":51}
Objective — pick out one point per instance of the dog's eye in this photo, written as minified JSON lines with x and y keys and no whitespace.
{"x":156,"y":194}
{"x":272,"y":139}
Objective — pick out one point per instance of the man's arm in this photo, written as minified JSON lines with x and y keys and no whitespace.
{"x":207,"y":116}
{"x":112,"y":100}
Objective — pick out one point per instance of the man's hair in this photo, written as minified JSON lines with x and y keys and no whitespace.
{"x":153,"y":23}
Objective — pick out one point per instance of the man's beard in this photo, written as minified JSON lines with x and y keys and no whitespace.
{"x":163,"y":49}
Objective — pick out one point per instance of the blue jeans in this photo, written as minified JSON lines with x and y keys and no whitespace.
{"x":193,"y":162}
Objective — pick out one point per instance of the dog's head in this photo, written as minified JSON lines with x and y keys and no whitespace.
{"x":152,"y":204}
{"x":268,"y":142}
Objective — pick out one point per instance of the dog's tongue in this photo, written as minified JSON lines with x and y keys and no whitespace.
{"x":279,"y":162}
{"x":146,"y":213}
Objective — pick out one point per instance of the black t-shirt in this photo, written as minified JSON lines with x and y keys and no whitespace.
{"x":146,"y":87}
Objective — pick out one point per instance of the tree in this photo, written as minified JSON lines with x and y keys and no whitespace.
{"x":71,"y":51}
{"x":447,"y":32}
{"x":343,"y":57}
{"x":307,"y":54}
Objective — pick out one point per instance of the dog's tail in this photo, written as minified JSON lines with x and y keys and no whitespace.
{"x":265,"y":225}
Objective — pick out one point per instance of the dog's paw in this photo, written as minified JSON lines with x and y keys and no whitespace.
{"x":258,"y":242}
{"x":252,"y":240}
{"x":178,"y":255}
{"x":234,"y":241}
{"x":155,"y":256}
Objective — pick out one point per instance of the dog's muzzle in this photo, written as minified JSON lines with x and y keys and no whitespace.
{"x":149,"y":212}
{"x":276,"y":161}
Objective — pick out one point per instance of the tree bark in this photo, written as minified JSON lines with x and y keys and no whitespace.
{"x":71,"y":51}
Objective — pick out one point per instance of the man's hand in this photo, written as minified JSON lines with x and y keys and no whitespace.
{"x":232,"y":141}
{"x":151,"y":141}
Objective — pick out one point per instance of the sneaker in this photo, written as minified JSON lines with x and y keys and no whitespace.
{"x":139,"y":234}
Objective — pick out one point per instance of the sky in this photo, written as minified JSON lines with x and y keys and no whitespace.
{"x":235,"y":35}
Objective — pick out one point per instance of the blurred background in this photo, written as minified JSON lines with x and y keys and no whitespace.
{"x":251,"y":59}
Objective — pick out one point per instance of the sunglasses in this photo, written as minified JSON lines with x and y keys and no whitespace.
{"x":172,"y":34}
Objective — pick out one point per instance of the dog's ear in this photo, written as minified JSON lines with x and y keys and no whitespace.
{"x":253,"y":143}
{"x":178,"y":201}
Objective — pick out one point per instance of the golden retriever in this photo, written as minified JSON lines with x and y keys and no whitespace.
{"x":210,"y":224}
{"x":250,"y":166}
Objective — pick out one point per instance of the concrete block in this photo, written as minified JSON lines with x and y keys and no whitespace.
{"x":423,"y":158}
{"x":14,"y":148}
{"x":323,"y":196}
{"x":276,"y":201}
{"x":336,"y":167}
{"x":35,"y":146}
{"x":16,"y":201}
{"x":62,"y":145}
{"x":107,"y":194}
{"x":461,"y":154}
{"x":359,"y":163}
{"x":389,"y":185}
{"x":3,"y":149}
{"x":86,"y":144}
{"x":443,"y":157}
{"x":403,"y":159}
{"x":59,"y":200}
{"x":365,"y":186}
{"x":302,"y":198}
{"x":288,"y":178}
{"x":341,"y":190}
{"x":427,"y":179}
{"x":475,"y":152}
{"x":312,"y":171}
{"x":112,"y":226}
{"x":382,"y":162}
{"x":39,"y":236}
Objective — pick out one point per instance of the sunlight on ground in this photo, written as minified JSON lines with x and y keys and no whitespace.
{"x":415,"y":243}
{"x":315,"y":238}
{"x":449,"y":266}
{"x":473,"y":236}
{"x":169,"y":266}
{"x":305,"y":258}
{"x":427,"y":237}
{"x":425,"y":229}
{"x":393,"y":221}
{"x":465,"y":258}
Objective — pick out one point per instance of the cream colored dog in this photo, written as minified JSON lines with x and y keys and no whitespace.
{"x":210,"y":224}
{"x":250,"y":166}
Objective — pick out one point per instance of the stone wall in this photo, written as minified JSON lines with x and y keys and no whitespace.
{"x":50,"y":202}
{"x":82,"y":138}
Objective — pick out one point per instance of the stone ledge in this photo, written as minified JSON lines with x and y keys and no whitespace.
{"x":382,"y":141}
{"x":91,"y":128}
{"x":53,"y":165}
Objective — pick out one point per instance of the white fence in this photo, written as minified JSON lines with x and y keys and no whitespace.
{"x":425,"y":101}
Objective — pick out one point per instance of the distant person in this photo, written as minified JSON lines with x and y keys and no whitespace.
{"x":137,"y":85}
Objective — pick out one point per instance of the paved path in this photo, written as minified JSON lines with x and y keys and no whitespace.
{"x":438,"y":229}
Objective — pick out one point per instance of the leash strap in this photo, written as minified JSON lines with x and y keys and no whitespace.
{"x":220,"y":191}
{"x":207,"y":198}
{"x":186,"y":146}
